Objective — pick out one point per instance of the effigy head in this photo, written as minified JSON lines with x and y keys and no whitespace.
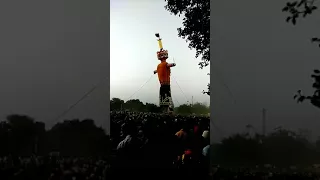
{"x":162,"y":55}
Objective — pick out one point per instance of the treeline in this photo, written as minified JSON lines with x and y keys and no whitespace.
{"x":21,"y":135}
{"x":117,"y":104}
{"x":281,"y":148}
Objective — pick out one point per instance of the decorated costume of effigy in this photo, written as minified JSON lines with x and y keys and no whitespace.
{"x":164,"y":71}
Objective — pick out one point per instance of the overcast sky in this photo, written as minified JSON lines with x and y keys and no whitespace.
{"x":264,"y":61}
{"x":51,"y":53}
{"x":133,"y":53}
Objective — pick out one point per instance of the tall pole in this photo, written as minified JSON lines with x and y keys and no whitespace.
{"x":264,"y":118}
{"x":192,"y":100}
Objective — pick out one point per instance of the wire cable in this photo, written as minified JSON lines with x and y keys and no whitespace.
{"x":180,"y":89}
{"x":222,"y":82}
{"x":79,"y":100}
{"x":140,"y":88}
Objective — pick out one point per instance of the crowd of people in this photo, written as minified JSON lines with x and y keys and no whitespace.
{"x":53,"y":168}
{"x":174,"y":144}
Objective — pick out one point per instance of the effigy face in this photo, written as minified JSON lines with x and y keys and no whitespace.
{"x":162,"y":54}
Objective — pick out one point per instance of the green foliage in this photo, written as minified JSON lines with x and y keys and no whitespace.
{"x":136,"y":105}
{"x":281,"y":148}
{"x":197,"y":108}
{"x":184,"y":109}
{"x":315,"y":98}
{"x":149,"y":107}
{"x":208,"y":89}
{"x":196,"y":26}
{"x":75,"y":137}
{"x":300,"y":9}
{"x":116,"y":104}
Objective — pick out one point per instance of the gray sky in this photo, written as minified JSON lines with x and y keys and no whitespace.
{"x":133,"y":53}
{"x":264,"y":61}
{"x":51,"y":53}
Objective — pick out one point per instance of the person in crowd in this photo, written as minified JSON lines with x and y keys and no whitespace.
{"x":170,"y":143}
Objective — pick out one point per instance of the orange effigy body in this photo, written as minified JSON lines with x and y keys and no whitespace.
{"x":163,"y":73}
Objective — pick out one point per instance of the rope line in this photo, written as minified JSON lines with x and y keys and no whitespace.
{"x":222,"y":82}
{"x":140,"y":88}
{"x":180,"y":89}
{"x":173,"y":99}
{"x":87,"y":94}
{"x":79,"y":100}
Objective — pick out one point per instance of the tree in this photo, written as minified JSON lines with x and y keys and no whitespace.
{"x":5,"y":131}
{"x":196,"y":108}
{"x":299,"y":8}
{"x":134,"y":105}
{"x":196,"y":27}
{"x":116,"y":104}
{"x":302,"y":9}
{"x":184,"y":109}
{"x":281,"y":148}
{"x":75,"y":137}
{"x":208,"y":88}
{"x":315,"y":98}
{"x":246,"y":153}
{"x":23,"y":134}
{"x":149,"y":107}
{"x":199,"y":108}
{"x":137,"y":106}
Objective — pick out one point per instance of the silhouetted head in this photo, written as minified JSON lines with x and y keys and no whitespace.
{"x":128,"y":128}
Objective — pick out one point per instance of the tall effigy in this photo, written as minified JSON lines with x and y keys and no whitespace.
{"x":164,"y":72}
